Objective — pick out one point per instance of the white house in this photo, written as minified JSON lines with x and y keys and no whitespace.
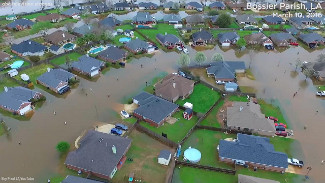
{"x":164,"y":157}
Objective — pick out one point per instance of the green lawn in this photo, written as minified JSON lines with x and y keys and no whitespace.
{"x":62,"y":60}
{"x":34,"y":72}
{"x":7,"y":82}
{"x":162,"y":29}
{"x":282,"y":144}
{"x":9,"y":62}
{"x":2,"y":130}
{"x":238,"y":98}
{"x":19,"y":34}
{"x":278,"y":26}
{"x":34,"y":15}
{"x":193,"y":175}
{"x":321,"y":88}
{"x":131,"y":120}
{"x":41,"y":26}
{"x":270,"y":110}
{"x":65,"y":21}
{"x":202,"y":98}
{"x":211,"y":119}
{"x":233,"y":25}
{"x":56,"y":10}
{"x":116,"y":38}
{"x":206,"y":141}
{"x":177,"y":131}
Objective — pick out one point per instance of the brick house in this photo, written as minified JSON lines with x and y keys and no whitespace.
{"x":113,"y":54}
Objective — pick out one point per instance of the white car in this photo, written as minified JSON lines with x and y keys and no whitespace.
{"x":179,"y":48}
{"x":320,"y":93}
{"x":125,"y":114}
{"x":185,"y":50}
{"x":219,"y":82}
{"x":295,"y":162}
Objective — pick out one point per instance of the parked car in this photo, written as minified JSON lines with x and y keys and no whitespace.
{"x":125,"y":114}
{"x":179,"y":48}
{"x":320,"y":93}
{"x":281,"y":133}
{"x":240,"y":162}
{"x":219,"y":82}
{"x":280,"y":128}
{"x":295,"y":162}
{"x":269,"y":47}
{"x":294,"y":44}
{"x":280,"y":124}
{"x":185,"y":50}
{"x":121,"y":127}
{"x":116,"y":131}
{"x":273,"y":118}
{"x":181,"y":73}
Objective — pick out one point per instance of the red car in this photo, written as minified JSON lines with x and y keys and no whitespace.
{"x":281,"y":133}
{"x":294,"y":44}
{"x":273,"y":118}
{"x":280,"y":124}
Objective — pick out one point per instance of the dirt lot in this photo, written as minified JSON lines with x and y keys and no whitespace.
{"x":144,"y":152}
{"x":222,"y":113}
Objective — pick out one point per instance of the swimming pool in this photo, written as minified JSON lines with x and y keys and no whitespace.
{"x":312,"y":28}
{"x":17,"y":64}
{"x":97,"y":49}
{"x":69,"y":46}
{"x":124,"y":39}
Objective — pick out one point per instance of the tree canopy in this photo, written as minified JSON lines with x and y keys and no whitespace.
{"x":184,"y":60}
{"x":217,"y":57}
{"x":241,"y":42}
{"x":200,"y":58}
{"x":63,"y":147}
{"x":224,"y":20}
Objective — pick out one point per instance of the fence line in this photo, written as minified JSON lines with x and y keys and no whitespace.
{"x":204,"y":167}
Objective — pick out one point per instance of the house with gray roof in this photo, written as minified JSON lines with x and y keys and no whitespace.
{"x":194,"y":6}
{"x":248,"y":116}
{"x":282,"y":39}
{"x":20,"y":24}
{"x":147,"y":6}
{"x":164,"y":157}
{"x":312,"y":39}
{"x":137,"y":46}
{"x":255,"y":151}
{"x":88,"y":66}
{"x":320,"y":20}
{"x":98,"y":8}
{"x":273,"y":20}
{"x":143,"y":18}
{"x":169,"y":40}
{"x":113,"y":54}
{"x":246,"y":19}
{"x":172,"y":19}
{"x":74,"y":179}
{"x":169,"y":5}
{"x":28,"y":48}
{"x":301,"y":22}
{"x":71,"y":12}
{"x":194,"y":19}
{"x":152,"y":109}
{"x":109,"y":22}
{"x":228,"y":38}
{"x":258,"y":39}
{"x":218,"y":5}
{"x":214,"y":18}
{"x":250,"y":179}
{"x":56,"y":49}
{"x":226,"y":70}
{"x":56,"y":80}
{"x":202,"y":37}
{"x":18,"y":100}
{"x":83,"y":29}
{"x":292,"y":30}
{"x":99,"y":154}
{"x":122,"y":6}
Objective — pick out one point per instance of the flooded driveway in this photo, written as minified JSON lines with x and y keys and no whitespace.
{"x":36,"y":156}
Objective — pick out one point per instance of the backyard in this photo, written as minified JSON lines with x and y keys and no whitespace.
{"x":202,"y":98}
{"x":9,"y":62}
{"x":62,"y":60}
{"x":125,"y":27}
{"x":175,"y":132}
{"x":321,"y":88}
{"x":7,"y":82}
{"x":144,"y":152}
{"x":211,"y":119}
{"x":32,"y":16}
{"x":34,"y":72}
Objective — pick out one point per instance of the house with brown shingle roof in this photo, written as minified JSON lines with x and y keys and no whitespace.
{"x":4,"y":56}
{"x":59,"y":37}
{"x":53,"y":17}
{"x":258,"y":39}
{"x":173,"y":87}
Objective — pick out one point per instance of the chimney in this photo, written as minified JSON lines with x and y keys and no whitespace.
{"x":174,"y":85}
{"x":114,"y":149}
{"x":6,"y":89}
{"x":63,"y":35}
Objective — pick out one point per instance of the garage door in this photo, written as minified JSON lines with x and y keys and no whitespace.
{"x":94,"y":73}
{"x":25,"y":109}
{"x":225,"y":44}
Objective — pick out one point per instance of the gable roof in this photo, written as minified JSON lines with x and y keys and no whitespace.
{"x":168,"y":38}
{"x":164,"y":154}
{"x":54,"y":77}
{"x":49,"y":17}
{"x":227,"y":36}
{"x":248,"y":115}
{"x":202,"y":35}
{"x":311,"y":37}
{"x":28,"y":46}
{"x":292,"y":30}
{"x":217,"y":4}
{"x":255,"y":149}
{"x":194,"y":4}
{"x":136,"y":44}
{"x":258,"y":37}
{"x":194,"y":19}
{"x":70,"y":12}
{"x":121,"y":5}
{"x":169,"y":4}
{"x":59,"y":36}
{"x":173,"y":86}
{"x":154,"y":108}
{"x":225,"y":69}
{"x":282,"y":36}
{"x":250,"y":179}
{"x":54,"y":48}
{"x":74,"y":179}
{"x":113,"y":53}
{"x":318,"y":19}
{"x":99,"y":7}
{"x":147,"y":5}
{"x":83,"y":29}
{"x":143,"y":17}
{"x":87,"y":64}
{"x":109,"y":22}
{"x":16,"y":96}
{"x":20,"y":22}
{"x":273,"y":19}
{"x":95,"y":152}
{"x":172,"y":17}
{"x":300,"y":20}
{"x":246,"y":18}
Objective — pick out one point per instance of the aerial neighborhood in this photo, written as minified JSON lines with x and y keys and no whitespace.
{"x":163,"y":91}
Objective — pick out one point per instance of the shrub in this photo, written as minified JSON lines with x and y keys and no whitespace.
{"x":63,"y":147}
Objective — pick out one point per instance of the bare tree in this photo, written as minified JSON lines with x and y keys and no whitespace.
{"x":308,"y":73}
{"x":69,"y":26}
{"x":298,"y":63}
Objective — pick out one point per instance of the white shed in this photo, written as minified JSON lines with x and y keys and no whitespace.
{"x":164,"y":157}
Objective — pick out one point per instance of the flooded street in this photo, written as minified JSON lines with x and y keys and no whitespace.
{"x":36,"y":156}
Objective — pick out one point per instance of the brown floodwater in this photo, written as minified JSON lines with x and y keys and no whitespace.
{"x":36,"y":156}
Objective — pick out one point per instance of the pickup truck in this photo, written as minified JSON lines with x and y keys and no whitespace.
{"x":320,"y":94}
{"x":295,"y":162}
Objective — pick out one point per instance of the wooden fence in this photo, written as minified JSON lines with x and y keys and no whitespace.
{"x":204,"y":167}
